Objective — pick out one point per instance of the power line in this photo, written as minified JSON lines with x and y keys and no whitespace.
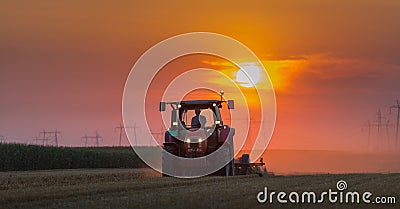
{"x":369,"y":132}
{"x":56,"y":133}
{"x":396,"y":106}
{"x":45,"y":137}
{"x":377,"y":123}
{"x":379,"y":119}
{"x":387,"y":124}
{"x":86,"y":139}
{"x":121,"y":128}
{"x":97,"y":138}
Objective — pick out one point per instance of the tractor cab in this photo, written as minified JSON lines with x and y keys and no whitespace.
{"x":196,"y":127}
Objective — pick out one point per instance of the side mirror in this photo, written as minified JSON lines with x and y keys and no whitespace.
{"x":162,"y":106}
{"x":231,"y":104}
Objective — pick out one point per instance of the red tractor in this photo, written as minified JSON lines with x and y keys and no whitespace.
{"x":197,"y":130}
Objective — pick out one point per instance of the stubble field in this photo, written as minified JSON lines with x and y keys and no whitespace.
{"x":144,"y":188}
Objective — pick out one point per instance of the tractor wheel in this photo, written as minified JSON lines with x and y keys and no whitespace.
{"x":171,"y":149}
{"x":248,"y":170}
{"x":244,"y":170}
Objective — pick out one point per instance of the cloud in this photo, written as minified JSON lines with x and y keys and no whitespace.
{"x":323,"y":73}
{"x":326,"y":73}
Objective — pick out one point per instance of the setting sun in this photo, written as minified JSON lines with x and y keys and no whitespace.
{"x":248,"y":75}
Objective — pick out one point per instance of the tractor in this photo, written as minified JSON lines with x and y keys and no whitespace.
{"x":197,"y":130}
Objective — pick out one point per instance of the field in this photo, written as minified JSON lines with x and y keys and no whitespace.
{"x":114,"y":177}
{"x":144,"y":188}
{"x":22,"y":157}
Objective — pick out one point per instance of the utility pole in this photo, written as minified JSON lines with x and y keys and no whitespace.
{"x":36,"y":139}
{"x":397,"y":106}
{"x":121,"y":128}
{"x":56,"y":136}
{"x":97,"y":138}
{"x":47,"y":133}
{"x":387,"y":124}
{"x":86,"y":139}
{"x":369,"y":132}
{"x":377,"y":123}
{"x":379,"y":119}
{"x":134,"y":132}
{"x":370,"y":125}
{"x":44,"y":139}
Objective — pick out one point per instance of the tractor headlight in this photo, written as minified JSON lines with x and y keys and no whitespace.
{"x":198,"y":140}
{"x":174,"y":123}
{"x":217,"y":122}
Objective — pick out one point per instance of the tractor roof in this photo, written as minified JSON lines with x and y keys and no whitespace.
{"x":193,"y":102}
{"x":199,"y":103}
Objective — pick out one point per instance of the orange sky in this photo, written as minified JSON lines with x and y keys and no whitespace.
{"x":63,"y":64}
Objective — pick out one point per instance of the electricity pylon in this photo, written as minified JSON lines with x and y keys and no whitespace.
{"x":369,"y":132}
{"x":396,"y":106}
{"x":56,"y":133}
{"x":387,"y":124}
{"x":378,"y":124}
{"x":379,"y":120}
{"x":45,"y":139}
{"x":121,"y":127}
{"x":97,"y":137}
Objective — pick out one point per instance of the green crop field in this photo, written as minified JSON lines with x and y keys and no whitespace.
{"x":21,"y":157}
{"x":144,"y":188}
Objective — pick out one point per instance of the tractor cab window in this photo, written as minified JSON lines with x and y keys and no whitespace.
{"x":196,"y":118}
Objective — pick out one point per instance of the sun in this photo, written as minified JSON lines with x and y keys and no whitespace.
{"x":248,"y":75}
